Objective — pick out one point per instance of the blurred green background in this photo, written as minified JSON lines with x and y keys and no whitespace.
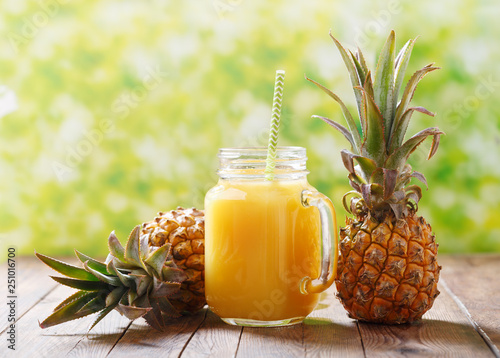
{"x":123,"y":105}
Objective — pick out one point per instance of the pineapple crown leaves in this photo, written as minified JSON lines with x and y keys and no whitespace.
{"x":136,"y":280}
{"x":381,"y":176}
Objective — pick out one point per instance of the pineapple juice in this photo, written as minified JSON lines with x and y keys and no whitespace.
{"x":260,"y":242}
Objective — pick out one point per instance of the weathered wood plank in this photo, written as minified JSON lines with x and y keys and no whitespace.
{"x":32,"y":283}
{"x":62,"y":339}
{"x":142,"y":340}
{"x":214,"y":338}
{"x":102,"y":338}
{"x":328,"y":332}
{"x":272,"y":342}
{"x":445,"y":331}
{"x":473,"y":279}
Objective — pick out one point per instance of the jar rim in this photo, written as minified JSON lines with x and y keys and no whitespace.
{"x":282,"y":152}
{"x":250,"y":162}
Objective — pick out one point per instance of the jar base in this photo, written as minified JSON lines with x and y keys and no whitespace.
{"x":256,"y":323}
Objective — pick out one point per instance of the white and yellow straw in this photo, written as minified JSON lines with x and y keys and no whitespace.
{"x":275,"y":125}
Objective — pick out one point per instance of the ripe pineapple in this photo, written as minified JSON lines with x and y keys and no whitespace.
{"x":184,"y":229}
{"x":387,"y":269}
{"x":148,"y":278}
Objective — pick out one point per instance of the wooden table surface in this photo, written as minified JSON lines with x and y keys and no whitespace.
{"x":464,"y":322}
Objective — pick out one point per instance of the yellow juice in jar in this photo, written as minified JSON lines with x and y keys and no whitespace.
{"x":260,"y":242}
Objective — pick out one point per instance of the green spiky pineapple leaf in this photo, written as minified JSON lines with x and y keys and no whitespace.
{"x":132,"y":312}
{"x":362,"y":61}
{"x":401,"y":64}
{"x":400,"y":128}
{"x":96,"y":265}
{"x":351,"y":68}
{"x":347,"y":134}
{"x":359,"y":68}
{"x":383,"y":87}
{"x":142,"y":283}
{"x":114,"y":297}
{"x":382,"y":174}
{"x":125,"y":279}
{"x":137,"y":285}
{"x":66,"y":269}
{"x":69,"y":311}
{"x":102,"y":314}
{"x":70,"y":299}
{"x":95,"y":305}
{"x":157,"y":259}
{"x":366,"y":165}
{"x":374,"y":143}
{"x":420,"y":177}
{"x":81,"y":284}
{"x":353,"y":136}
{"x":111,"y":280}
{"x":410,"y":90}
{"x":132,"y":249}
{"x":115,"y":247}
{"x":164,"y":289}
{"x":397,"y":159}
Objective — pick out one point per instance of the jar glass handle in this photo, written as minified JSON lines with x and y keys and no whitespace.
{"x":329,"y":254}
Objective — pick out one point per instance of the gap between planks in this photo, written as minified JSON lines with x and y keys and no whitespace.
{"x":192,"y":334}
{"x":121,"y":336}
{"x":239,"y":341}
{"x":474,"y":280}
{"x":326,"y":332}
{"x":444,"y":331}
{"x":213,"y":338}
{"x":361,"y":338}
{"x":476,"y":326}
{"x":29,"y":308}
{"x":32,"y":286}
{"x":141,"y":337}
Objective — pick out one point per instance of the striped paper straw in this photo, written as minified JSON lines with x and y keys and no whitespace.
{"x":275,"y":125}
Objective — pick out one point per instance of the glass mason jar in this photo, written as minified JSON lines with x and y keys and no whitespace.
{"x":268,"y":243}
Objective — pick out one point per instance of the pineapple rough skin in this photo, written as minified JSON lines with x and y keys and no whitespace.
{"x":184,"y":229}
{"x":387,"y":271}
